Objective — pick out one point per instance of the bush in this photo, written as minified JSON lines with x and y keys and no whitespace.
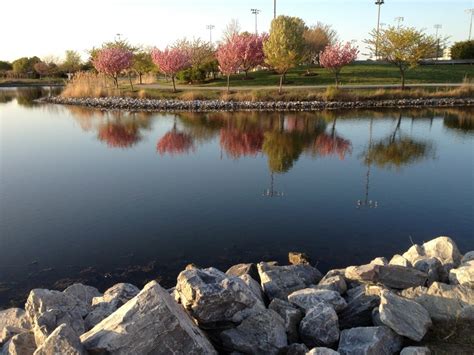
{"x":192,"y":75}
{"x":463,"y":50}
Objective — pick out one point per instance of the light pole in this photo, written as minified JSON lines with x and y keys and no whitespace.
{"x":274,"y":9}
{"x":471,"y":12}
{"x":437,"y":28}
{"x":379,"y":3}
{"x":399,"y":19}
{"x":210,"y":28}
{"x":255,"y":12}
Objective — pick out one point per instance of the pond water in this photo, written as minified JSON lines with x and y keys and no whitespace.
{"x":103,"y":197}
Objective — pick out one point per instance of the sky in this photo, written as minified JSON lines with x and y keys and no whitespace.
{"x":49,"y":27}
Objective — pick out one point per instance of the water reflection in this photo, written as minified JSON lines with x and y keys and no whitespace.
{"x":397,"y":150}
{"x":26,"y":96}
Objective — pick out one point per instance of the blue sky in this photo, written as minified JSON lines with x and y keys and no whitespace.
{"x":54,"y":27}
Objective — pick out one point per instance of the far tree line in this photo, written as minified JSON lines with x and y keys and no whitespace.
{"x":289,"y":43}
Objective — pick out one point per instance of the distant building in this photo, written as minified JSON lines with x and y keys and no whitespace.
{"x":447,"y":53}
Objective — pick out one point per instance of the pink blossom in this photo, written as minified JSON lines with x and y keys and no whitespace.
{"x":112,"y":61}
{"x":171,"y":61}
{"x":336,"y":56}
{"x":229,"y":55}
{"x":250,"y":50}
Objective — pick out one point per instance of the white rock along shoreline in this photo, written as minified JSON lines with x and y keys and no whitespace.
{"x":383,"y":307}
{"x":137,"y":104}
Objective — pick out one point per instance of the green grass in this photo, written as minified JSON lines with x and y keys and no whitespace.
{"x":31,"y":82}
{"x":356,"y":74}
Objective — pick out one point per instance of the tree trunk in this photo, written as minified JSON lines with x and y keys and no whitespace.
{"x":140,"y":78}
{"x":115,"y":80}
{"x":337,"y":79}
{"x":174,"y":83}
{"x":130,"y":80}
{"x":280,"y":90}
{"x":402,"y":74}
{"x":228,"y":83}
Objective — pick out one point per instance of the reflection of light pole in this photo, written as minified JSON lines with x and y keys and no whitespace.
{"x":379,"y":3}
{"x":399,"y":19}
{"x":366,"y":202}
{"x":210,"y":28}
{"x":255,"y":12}
{"x":471,"y":12}
{"x":437,"y":28}
{"x":270,"y":192}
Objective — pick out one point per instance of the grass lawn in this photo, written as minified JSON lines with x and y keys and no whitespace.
{"x":360,"y":73}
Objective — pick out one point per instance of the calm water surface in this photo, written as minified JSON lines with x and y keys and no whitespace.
{"x":106,"y":197}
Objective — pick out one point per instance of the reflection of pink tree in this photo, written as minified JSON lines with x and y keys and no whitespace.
{"x":237,"y":143}
{"x":175,"y":142}
{"x":118,"y":135}
{"x":328,"y":144}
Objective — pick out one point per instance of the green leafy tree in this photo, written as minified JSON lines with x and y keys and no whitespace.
{"x":142,"y":64}
{"x":403,"y":47}
{"x":463,"y":50}
{"x":25,"y":65}
{"x":285,"y":47}
{"x":72,"y":62}
{"x":4,"y":66}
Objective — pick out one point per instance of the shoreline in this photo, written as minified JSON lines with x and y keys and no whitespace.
{"x":422,"y":298}
{"x":159,"y":105}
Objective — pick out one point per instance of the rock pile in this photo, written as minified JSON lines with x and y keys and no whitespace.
{"x":133,"y":104}
{"x":378,"y":308}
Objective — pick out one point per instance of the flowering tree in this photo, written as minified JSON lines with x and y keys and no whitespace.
{"x":42,"y":69}
{"x":336,"y":56}
{"x":229,"y":57}
{"x":237,"y":143}
{"x":171,"y":61}
{"x":175,"y":142}
{"x":111,"y":61}
{"x":251,"y":50}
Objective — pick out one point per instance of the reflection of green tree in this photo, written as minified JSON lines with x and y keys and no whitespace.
{"x":395,"y":152}
{"x":282,"y":149}
{"x":464,"y":124}
{"x":26,"y":96}
{"x":6,"y":96}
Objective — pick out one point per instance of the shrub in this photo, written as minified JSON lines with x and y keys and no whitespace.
{"x":463,"y":50}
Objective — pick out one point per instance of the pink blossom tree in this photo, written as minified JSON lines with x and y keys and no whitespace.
{"x":335,"y":57}
{"x":229,"y":57}
{"x":171,"y":61}
{"x":111,"y":61}
{"x":251,"y":50}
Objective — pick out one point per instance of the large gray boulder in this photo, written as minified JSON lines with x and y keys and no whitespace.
{"x":433,"y":269}
{"x":20,"y":344}
{"x":467,"y":257}
{"x":360,"y":303}
{"x":14,"y":317}
{"x":244,"y":269}
{"x":404,"y":316}
{"x":63,"y":341}
{"x":442,"y":248}
{"x":400,"y":277}
{"x":83,"y":293}
{"x":48,"y":309}
{"x":294,"y":349}
{"x":400,"y":261}
{"x":334,"y":283}
{"x":415,"y":350}
{"x":444,"y":302}
{"x":308,"y":297}
{"x":261,"y":333}
{"x":463,"y":275}
{"x":362,"y":273}
{"x":151,"y":322}
{"x":106,"y":304}
{"x":291,"y":316}
{"x":369,"y":341}
{"x":213,"y":297}
{"x":280,"y":281}
{"x":254,"y":286}
{"x":8,"y":332}
{"x":320,"y":326}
